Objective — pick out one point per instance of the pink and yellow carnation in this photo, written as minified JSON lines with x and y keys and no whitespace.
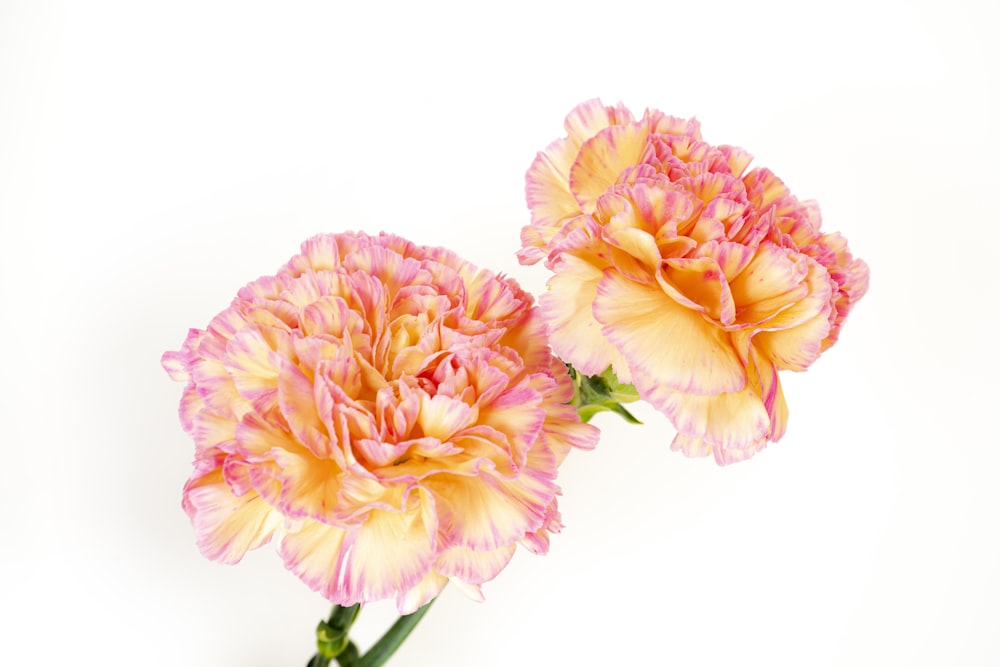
{"x":387,"y":413}
{"x":694,"y":279}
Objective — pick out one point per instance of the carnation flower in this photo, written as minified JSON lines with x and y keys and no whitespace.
{"x":389,"y":414}
{"x":694,"y":279}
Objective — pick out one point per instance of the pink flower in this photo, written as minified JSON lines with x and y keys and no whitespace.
{"x":390,"y":414}
{"x":695,"y":280}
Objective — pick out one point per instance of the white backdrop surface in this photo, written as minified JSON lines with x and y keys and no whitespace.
{"x":156,"y":156}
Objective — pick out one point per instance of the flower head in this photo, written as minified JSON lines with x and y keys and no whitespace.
{"x":694,"y":279}
{"x":391,"y":415}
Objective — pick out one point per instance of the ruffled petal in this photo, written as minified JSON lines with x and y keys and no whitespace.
{"x":669,"y":347}
{"x":484,"y":512}
{"x":547,"y":188}
{"x":442,"y":417}
{"x":226,"y":526}
{"x":473,"y":567}
{"x":388,"y":553}
{"x":603,"y":158}
{"x":774,"y":280}
{"x":576,"y":335}
{"x":429,"y":588}
{"x":729,"y":421}
{"x":702,"y":281}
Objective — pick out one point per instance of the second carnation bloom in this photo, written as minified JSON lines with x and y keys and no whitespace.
{"x":694,"y":279}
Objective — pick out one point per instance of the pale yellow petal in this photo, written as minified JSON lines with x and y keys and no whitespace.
{"x":575,"y":335}
{"x":390,"y":552}
{"x":226,"y":526}
{"x":668,"y":347}
{"x":730,"y":421}
{"x":603,"y":158}
{"x":429,"y":588}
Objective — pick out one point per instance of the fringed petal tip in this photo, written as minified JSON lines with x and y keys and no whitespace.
{"x":694,"y":446}
{"x":176,"y":366}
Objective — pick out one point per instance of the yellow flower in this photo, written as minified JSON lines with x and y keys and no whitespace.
{"x":693,"y":279}
{"x":391,"y":414}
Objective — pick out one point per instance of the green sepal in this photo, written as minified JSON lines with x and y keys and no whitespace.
{"x":621,"y":392}
{"x":587,"y":412}
{"x":601,"y":393}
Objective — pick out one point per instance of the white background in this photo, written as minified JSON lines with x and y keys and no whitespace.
{"x":155,"y":156}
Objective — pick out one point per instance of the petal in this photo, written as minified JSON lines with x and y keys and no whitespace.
{"x":331,"y":316}
{"x":729,"y":421}
{"x":313,"y":553}
{"x":210,"y":430}
{"x":660,"y":208}
{"x":309,"y":486}
{"x":726,"y":457}
{"x":226,"y":526}
{"x":631,"y":224}
{"x":473,"y":567}
{"x":216,"y":388}
{"x":764,"y":188}
{"x":530,"y":339}
{"x":735,"y":426}
{"x":250,"y":365}
{"x":772,"y":395}
{"x":192,"y":405}
{"x":773,"y":281}
{"x":668,"y":347}
{"x":793,"y":338}
{"x":562,"y":430}
{"x":851,"y":275}
{"x":286,"y":473}
{"x":691,"y":445}
{"x":429,"y":588}
{"x":323,"y":252}
{"x":485,"y":512}
{"x":388,"y":553}
{"x":297,"y":403}
{"x":551,"y":203}
{"x":731,"y":257}
{"x":517,"y":413}
{"x":590,"y":117}
{"x":702,"y":281}
{"x":737,"y":159}
{"x":661,"y":123}
{"x":547,"y":188}
{"x":603,"y":158}
{"x":575,"y":334}
{"x":442,"y":416}
{"x":176,"y":363}
{"x":537,"y":541}
{"x":796,"y":348}
{"x":580,"y":237}
{"x":490,"y":298}
{"x":472,"y":591}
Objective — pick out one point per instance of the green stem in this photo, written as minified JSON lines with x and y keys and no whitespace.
{"x":392,"y":639}
{"x":334,"y":644}
{"x":332,"y":640}
{"x":349,"y":658}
